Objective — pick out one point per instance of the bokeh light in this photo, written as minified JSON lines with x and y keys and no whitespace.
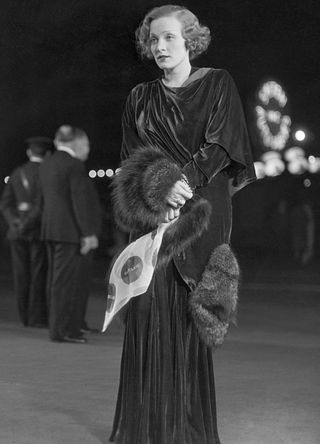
{"x":101,"y":173}
{"x":300,"y":135}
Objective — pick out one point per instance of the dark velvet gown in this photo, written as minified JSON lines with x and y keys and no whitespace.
{"x":166,"y":392}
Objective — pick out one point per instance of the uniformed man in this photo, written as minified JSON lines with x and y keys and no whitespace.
{"x":21,"y":207}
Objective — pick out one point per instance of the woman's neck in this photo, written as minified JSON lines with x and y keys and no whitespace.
{"x":177,"y":76}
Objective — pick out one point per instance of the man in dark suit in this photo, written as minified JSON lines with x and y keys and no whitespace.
{"x":70,"y":225}
{"x":21,"y":209}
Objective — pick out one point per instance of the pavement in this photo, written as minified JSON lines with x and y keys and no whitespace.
{"x":267,"y":371}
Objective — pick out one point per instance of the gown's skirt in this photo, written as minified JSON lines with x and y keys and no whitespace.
{"x":166,"y":393}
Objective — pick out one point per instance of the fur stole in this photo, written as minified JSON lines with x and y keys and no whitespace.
{"x":139,"y":201}
{"x":213,"y":302}
{"x":141,"y":187}
{"x":192,"y":222}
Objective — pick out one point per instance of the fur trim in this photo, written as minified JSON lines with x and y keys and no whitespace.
{"x":193,"y":221}
{"x":141,"y":187}
{"x":158,"y":179}
{"x":213,"y":303}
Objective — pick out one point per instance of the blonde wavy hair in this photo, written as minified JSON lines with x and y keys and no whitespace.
{"x":197,"y":37}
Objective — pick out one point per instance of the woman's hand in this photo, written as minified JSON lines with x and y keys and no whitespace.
{"x":179,"y":194}
{"x":171,"y":214}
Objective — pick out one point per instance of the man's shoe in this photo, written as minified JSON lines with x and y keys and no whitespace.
{"x":74,"y":339}
{"x":89,"y":330}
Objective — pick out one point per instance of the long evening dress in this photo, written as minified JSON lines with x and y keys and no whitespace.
{"x":167,"y":392}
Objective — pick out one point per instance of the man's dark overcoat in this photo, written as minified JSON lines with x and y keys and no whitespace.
{"x":69,"y":213}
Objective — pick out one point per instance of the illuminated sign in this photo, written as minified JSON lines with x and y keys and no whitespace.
{"x":272,"y":122}
{"x":272,"y":163}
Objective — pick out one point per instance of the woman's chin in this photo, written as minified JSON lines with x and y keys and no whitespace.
{"x":162,"y":64}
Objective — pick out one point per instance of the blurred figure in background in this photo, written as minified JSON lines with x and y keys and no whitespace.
{"x":300,"y":209}
{"x":302,"y":228}
{"x":70,"y":226}
{"x":301,"y":223}
{"x":21,"y":209}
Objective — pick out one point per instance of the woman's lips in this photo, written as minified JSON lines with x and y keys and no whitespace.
{"x":162,"y":57}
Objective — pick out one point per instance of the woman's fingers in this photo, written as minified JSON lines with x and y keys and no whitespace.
{"x":176,"y":213}
{"x":179,"y":193}
{"x":176,"y":203}
{"x":171,"y":214}
{"x":182,"y":189}
{"x":185,"y":186}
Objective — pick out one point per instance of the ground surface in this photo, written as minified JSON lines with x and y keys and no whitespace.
{"x":267,"y":372}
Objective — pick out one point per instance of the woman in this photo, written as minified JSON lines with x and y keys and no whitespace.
{"x":185,"y":147}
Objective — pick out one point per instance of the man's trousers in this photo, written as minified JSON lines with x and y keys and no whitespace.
{"x":67,"y":289}
{"x":29,"y":264}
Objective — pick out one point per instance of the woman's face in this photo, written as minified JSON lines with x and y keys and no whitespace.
{"x":167,"y":44}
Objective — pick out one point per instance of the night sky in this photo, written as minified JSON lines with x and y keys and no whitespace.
{"x":74,"y":61}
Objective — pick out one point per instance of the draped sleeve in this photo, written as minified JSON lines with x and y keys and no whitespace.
{"x":226,"y":129}
{"x":203,"y":120}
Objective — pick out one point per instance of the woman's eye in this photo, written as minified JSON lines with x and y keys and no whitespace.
{"x":153,"y":41}
{"x":170,"y":37}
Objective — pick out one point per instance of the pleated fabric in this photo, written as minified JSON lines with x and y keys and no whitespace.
{"x":166,"y":392}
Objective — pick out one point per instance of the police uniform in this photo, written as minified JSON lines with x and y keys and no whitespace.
{"x":21,"y":206}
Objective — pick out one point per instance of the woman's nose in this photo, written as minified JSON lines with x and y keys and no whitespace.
{"x":161,"y":45}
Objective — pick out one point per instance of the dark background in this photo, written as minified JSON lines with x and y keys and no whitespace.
{"x":74,"y":61}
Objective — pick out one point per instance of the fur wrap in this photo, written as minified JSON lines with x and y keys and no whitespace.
{"x":139,"y":200}
{"x":192,"y":222}
{"x":213,"y":302}
{"x":141,"y":187}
